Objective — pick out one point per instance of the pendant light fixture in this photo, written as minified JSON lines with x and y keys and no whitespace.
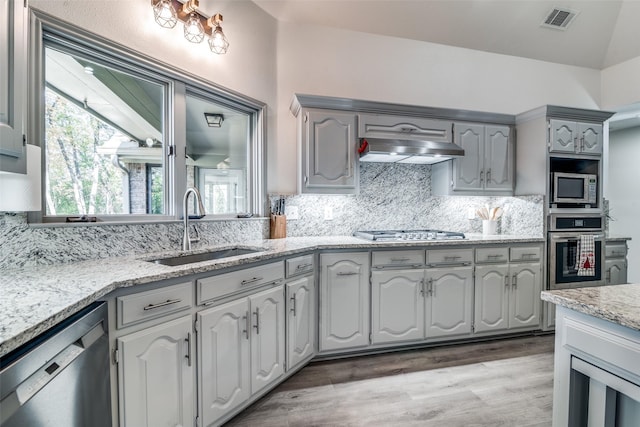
{"x":165,"y":14}
{"x":196,"y":26}
{"x":218,"y":42}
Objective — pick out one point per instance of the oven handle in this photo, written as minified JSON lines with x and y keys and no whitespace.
{"x":565,"y":238}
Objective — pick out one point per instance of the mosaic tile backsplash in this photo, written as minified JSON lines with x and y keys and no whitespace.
{"x":392,"y":196}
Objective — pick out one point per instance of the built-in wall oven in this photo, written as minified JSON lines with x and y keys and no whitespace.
{"x":567,"y":234}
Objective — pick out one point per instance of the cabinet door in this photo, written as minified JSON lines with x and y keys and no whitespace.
{"x":397,"y":305}
{"x":616,"y":271}
{"x":344,"y":301}
{"x":223,"y":338}
{"x":267,"y":337}
{"x":156,"y":376}
{"x":498,"y":158}
{"x":468,"y":173}
{"x":590,"y":136}
{"x":491,"y":298}
{"x":563,"y":136}
{"x":524,"y":302}
{"x":300,"y":320}
{"x":329,"y":152}
{"x":13,"y":89}
{"x":449,"y":292}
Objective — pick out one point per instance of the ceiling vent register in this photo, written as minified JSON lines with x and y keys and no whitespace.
{"x":559,"y":19}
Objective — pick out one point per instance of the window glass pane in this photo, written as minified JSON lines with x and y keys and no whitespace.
{"x":103,"y":138}
{"x":218,"y":140}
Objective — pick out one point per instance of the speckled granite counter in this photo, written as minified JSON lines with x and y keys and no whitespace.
{"x":35,"y":299}
{"x":619,"y":304}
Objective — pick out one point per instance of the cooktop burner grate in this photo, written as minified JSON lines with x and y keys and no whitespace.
{"x":396,"y":235}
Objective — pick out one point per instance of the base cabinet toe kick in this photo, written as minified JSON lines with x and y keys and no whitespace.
{"x":198,"y":350}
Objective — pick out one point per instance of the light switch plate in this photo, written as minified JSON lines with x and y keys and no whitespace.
{"x":328,"y":213}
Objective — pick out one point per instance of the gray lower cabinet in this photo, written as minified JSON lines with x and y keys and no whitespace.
{"x":418,"y":304}
{"x":507,"y":295}
{"x":241,"y":351}
{"x":301,"y":320}
{"x":344,"y":301}
{"x":616,"y":263}
{"x":13,"y":85}
{"x":448,"y":296}
{"x":156,"y":375}
{"x":397,"y":306}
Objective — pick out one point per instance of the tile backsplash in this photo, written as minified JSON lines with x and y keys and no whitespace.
{"x":398,"y":196}
{"x":391,"y":196}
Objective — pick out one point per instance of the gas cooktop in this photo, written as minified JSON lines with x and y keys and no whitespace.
{"x":398,"y":235}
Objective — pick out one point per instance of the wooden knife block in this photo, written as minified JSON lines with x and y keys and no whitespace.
{"x":278,"y":228}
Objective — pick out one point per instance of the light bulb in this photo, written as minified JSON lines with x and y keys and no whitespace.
{"x":218,"y":43}
{"x":165,"y":14}
{"x":193,"y":29}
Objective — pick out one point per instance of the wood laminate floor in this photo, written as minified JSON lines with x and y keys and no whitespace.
{"x":498,"y":383}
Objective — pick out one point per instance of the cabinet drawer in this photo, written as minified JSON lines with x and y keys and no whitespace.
{"x":299,"y":265}
{"x":525,"y":253}
{"x":450,"y":257}
{"x":397,"y":258}
{"x":484,"y":255}
{"x":147,"y":305}
{"x":615,"y":250}
{"x":222,"y":285}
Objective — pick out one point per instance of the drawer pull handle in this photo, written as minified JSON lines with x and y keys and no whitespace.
{"x":161,"y":304}
{"x":257,"y":325}
{"x":188,"y":355}
{"x":303,"y":266}
{"x":249,"y":281}
{"x":452,"y":258}
{"x":348,"y":273}
{"x":515,"y":280}
{"x":528,"y":256}
{"x":293,"y":304}
{"x":247,"y":326}
{"x":400,"y":259}
{"x":494,"y":256}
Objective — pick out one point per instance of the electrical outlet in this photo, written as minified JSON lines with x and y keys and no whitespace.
{"x":471,"y":213}
{"x":292,"y":212}
{"x":328,"y":213}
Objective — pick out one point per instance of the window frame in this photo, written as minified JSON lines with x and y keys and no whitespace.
{"x":178,"y":83}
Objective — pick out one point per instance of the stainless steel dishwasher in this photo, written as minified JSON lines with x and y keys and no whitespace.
{"x":61,"y":378}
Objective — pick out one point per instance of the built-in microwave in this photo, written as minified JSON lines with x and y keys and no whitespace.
{"x":575,"y":188}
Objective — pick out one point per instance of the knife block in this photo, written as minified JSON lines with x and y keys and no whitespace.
{"x":278,"y":228}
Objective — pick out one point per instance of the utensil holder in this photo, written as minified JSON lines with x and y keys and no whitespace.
{"x":489,"y":227}
{"x":278,"y":229}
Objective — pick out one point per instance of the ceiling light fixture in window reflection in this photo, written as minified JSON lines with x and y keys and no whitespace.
{"x":196,"y":25}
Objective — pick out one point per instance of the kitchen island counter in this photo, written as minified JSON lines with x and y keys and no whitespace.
{"x":596,"y":376}
{"x":619,"y":304}
{"x":35,"y":299}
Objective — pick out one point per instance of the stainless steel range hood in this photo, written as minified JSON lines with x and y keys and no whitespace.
{"x":391,"y":150}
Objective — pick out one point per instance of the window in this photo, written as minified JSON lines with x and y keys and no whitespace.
{"x":123,"y":136}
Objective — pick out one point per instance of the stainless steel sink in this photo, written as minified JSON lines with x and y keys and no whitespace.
{"x":205,"y":256}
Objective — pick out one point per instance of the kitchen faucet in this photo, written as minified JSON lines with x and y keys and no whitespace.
{"x":186,"y":239}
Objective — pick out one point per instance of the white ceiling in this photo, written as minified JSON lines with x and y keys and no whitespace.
{"x":604,"y":33}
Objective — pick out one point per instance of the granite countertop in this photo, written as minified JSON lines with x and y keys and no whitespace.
{"x":35,"y":299}
{"x":618,"y":303}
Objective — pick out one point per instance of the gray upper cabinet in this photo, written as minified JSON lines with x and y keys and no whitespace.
{"x":575,"y":137}
{"x":13,"y":85}
{"x":405,"y":127}
{"x":329,"y":164}
{"x":487,"y":166}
